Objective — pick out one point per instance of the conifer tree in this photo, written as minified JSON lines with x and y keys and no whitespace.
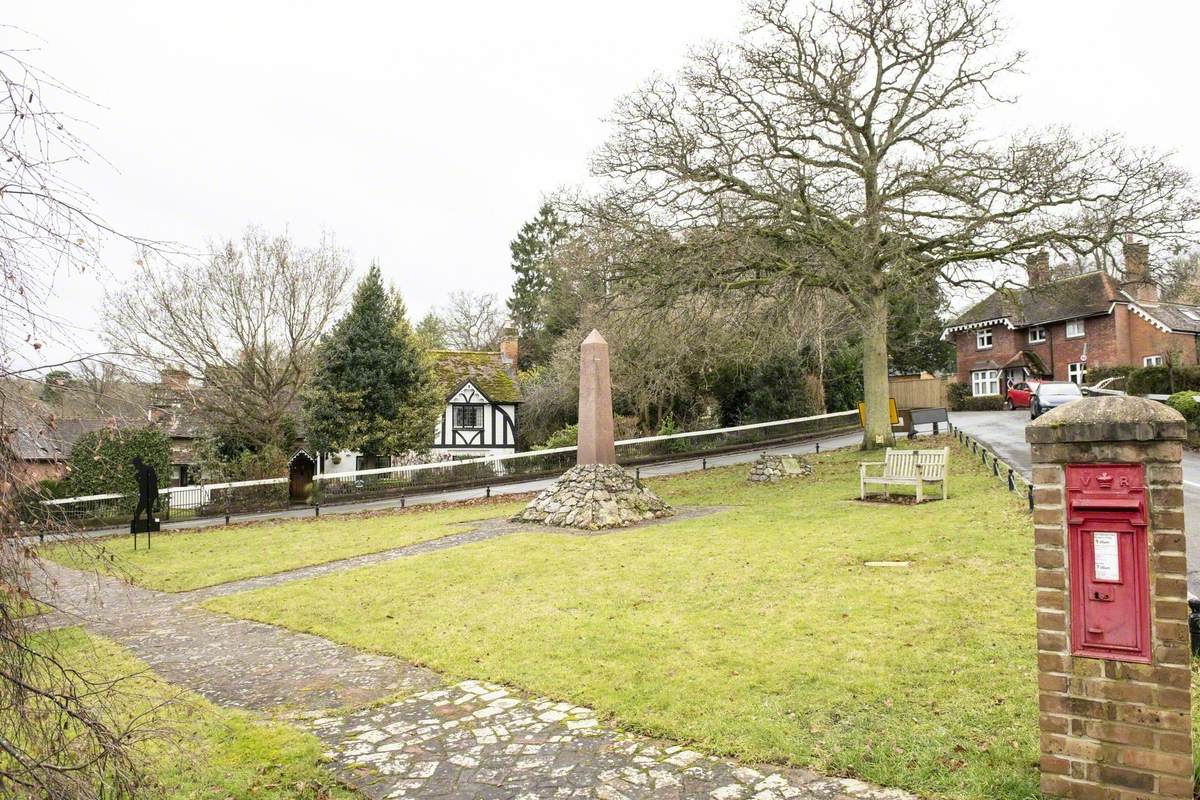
{"x":372,"y":389}
{"x":531,"y":261}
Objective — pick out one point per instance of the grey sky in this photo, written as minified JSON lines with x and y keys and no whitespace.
{"x":425,"y":134}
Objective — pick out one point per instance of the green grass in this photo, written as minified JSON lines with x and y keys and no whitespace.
{"x":180,"y":562}
{"x":756,"y":631}
{"x":202,"y":751}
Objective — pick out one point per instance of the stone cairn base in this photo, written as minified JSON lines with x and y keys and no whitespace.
{"x":593,"y":497}
{"x":770,"y":468}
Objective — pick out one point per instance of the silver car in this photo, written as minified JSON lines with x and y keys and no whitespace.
{"x":1052,"y":395}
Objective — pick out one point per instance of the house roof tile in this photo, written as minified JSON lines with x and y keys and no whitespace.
{"x":487,"y":371}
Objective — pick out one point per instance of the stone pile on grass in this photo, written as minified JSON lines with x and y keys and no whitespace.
{"x":594,"y":497}
{"x":771,"y":467}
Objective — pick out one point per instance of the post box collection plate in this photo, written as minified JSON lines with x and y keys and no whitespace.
{"x":1107,"y":561}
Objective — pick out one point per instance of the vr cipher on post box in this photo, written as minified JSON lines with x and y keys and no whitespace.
{"x":1107,"y":552}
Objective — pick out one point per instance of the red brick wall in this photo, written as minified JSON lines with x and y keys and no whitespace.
{"x":1118,"y":339}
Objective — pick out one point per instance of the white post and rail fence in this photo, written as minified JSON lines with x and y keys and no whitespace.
{"x":272,"y":494}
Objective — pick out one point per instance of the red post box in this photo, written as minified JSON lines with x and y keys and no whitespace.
{"x":1108,"y":570}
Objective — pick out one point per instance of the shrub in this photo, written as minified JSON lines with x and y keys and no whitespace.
{"x":1098,"y":374}
{"x":1148,"y":380}
{"x":989,"y":402}
{"x":563,"y":437}
{"x":1186,"y":404}
{"x":100,"y":460}
{"x":958,"y":395}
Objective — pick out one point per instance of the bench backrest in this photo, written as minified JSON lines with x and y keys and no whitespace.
{"x":903,"y":463}
{"x":924,"y":416}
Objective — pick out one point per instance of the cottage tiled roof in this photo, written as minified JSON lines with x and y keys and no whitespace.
{"x":1179,"y":317}
{"x":487,"y":371}
{"x":1083,"y":295}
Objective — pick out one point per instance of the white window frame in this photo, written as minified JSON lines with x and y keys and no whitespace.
{"x":1037,"y":335}
{"x":1076,"y":324}
{"x":981,"y":336}
{"x":1077,"y":372}
{"x":983,"y":380}
{"x":1152,"y":361}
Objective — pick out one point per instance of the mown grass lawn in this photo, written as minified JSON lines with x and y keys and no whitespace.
{"x":756,"y":631}
{"x":198,"y":750}
{"x":181,"y":561}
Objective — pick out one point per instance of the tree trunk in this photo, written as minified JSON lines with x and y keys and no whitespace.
{"x":878,"y":430}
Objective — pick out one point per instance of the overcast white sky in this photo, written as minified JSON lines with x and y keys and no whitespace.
{"x":423,"y":135}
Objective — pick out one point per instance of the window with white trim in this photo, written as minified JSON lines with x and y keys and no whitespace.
{"x":1076,"y":372}
{"x":1075,"y":329}
{"x":1152,"y":361}
{"x":1037,"y":335}
{"x":985,"y":381}
{"x":983,"y":339}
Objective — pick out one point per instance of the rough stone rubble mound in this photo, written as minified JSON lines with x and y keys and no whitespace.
{"x":771,"y":467}
{"x":594,"y":497}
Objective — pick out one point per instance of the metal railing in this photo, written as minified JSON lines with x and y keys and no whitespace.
{"x":1017,"y":483}
{"x":273,"y":494}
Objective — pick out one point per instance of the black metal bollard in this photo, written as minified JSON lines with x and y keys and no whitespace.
{"x":402,"y":501}
{"x":1194,"y":622}
{"x":489,"y":492}
{"x":703,"y":463}
{"x":317,"y":510}
{"x":995,"y":466}
{"x":1012,"y":485}
{"x":1031,"y":498}
{"x":818,"y":447}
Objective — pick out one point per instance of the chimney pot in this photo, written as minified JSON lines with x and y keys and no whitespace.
{"x":1037,"y":268}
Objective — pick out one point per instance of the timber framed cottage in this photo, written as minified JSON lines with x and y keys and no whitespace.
{"x":1058,"y":330}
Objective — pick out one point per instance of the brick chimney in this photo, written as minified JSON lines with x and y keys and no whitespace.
{"x":174,"y":380}
{"x":1037,"y":268}
{"x":1138,"y":281}
{"x":508,"y":348}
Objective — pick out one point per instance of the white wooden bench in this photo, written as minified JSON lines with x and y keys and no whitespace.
{"x":906,"y":468}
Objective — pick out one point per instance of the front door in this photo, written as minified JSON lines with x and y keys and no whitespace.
{"x":300,"y":472}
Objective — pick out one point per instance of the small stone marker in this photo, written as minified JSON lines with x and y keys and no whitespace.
{"x":1114,"y":673}
{"x":771,"y":467}
{"x":597,"y":492}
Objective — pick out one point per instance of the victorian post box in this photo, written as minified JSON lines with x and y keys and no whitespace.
{"x":1108,"y":561}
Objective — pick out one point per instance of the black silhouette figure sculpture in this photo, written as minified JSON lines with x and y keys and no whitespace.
{"x":147,"y":483}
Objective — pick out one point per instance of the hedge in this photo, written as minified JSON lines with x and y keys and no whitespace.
{"x":100,"y":460}
{"x":958,"y":394}
{"x":987,"y":402}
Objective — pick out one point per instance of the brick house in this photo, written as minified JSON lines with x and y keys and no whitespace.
{"x":1057,"y":330}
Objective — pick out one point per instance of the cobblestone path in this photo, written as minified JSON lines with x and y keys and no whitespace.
{"x":462,"y":741}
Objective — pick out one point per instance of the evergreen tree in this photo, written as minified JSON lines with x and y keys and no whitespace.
{"x":372,"y":390}
{"x":531,"y":261}
{"x":431,"y":332}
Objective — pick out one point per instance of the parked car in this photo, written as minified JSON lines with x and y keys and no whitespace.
{"x":1051,"y":395}
{"x":1018,"y":396}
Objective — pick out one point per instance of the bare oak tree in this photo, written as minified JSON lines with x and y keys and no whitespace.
{"x":834,"y":146}
{"x":472,"y":321}
{"x":245,"y":322}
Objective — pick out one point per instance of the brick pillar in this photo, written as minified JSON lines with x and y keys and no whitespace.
{"x":1114,"y":724}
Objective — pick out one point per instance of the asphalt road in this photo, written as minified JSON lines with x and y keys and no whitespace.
{"x":648,"y":471}
{"x":1004,"y":433}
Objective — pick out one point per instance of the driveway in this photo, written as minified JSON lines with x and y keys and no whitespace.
{"x":1004,"y":432}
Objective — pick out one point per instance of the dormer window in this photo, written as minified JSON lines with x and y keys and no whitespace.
{"x":1037,"y":335}
{"x":983,"y":339}
{"x":1075,"y":329}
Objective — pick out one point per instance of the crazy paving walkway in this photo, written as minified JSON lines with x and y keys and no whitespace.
{"x":438,"y":740}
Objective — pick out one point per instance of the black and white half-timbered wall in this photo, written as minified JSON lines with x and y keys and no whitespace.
{"x":474,"y":424}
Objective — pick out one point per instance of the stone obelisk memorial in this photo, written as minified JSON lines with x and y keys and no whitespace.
{"x":597,"y":492}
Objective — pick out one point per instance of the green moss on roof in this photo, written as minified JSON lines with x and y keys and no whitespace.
{"x":453,"y":368}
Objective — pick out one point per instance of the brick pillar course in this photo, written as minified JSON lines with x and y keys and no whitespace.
{"x":1113,"y":728}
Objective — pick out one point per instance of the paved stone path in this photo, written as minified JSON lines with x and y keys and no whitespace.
{"x":420,"y":737}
